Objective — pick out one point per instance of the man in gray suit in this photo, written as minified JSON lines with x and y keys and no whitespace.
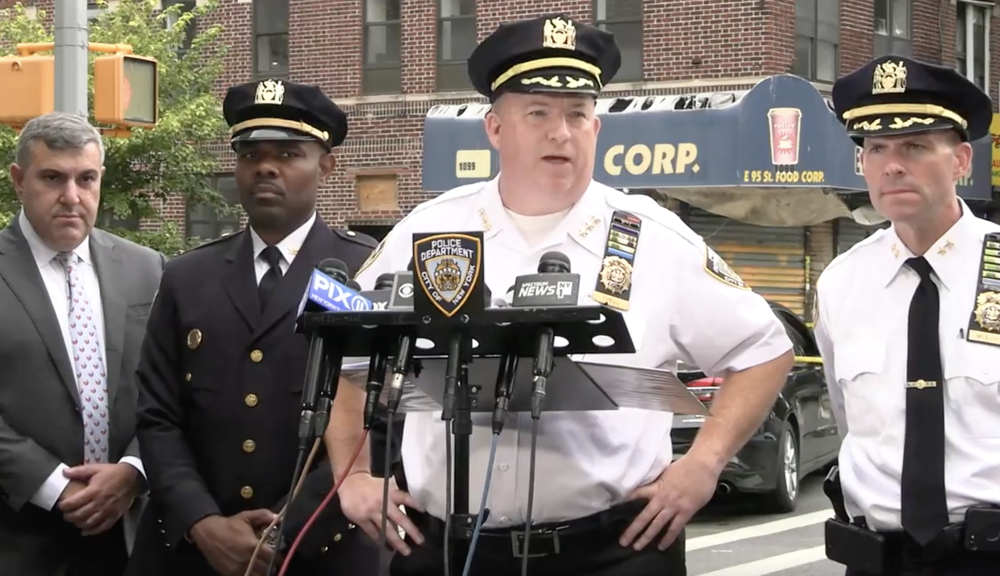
{"x":73,"y":309}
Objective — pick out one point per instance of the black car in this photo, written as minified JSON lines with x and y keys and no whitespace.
{"x":799,"y":436}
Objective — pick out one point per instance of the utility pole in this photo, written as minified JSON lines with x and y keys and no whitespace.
{"x":71,"y":49}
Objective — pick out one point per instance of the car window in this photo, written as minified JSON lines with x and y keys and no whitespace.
{"x":798,"y":343}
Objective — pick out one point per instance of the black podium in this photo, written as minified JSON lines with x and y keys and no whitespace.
{"x":461,"y":345}
{"x":489,"y":336}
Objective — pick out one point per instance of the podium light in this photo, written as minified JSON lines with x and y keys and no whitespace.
{"x":126,"y":90}
{"x":28,"y":88}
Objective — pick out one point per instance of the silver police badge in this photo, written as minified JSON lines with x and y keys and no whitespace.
{"x":448,"y":266}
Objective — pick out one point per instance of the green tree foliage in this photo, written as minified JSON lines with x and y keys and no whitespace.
{"x":150,"y":165}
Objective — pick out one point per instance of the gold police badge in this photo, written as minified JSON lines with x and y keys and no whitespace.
{"x":988,"y":311}
{"x":616,"y":274}
{"x":448,"y":266}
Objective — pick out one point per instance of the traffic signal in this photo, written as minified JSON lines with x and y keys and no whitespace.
{"x":126,"y":90}
{"x":28,"y":88}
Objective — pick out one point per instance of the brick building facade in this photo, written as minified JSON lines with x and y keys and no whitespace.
{"x":387,"y":62}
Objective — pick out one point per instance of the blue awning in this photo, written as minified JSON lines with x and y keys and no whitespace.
{"x":781,"y":136}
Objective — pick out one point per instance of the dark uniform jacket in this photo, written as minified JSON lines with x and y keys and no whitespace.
{"x":220,"y":400}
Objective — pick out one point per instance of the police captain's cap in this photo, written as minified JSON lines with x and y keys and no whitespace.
{"x":894,"y":95}
{"x":280,"y":110}
{"x":551,"y":53}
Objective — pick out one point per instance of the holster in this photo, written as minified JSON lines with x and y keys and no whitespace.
{"x":849,"y":543}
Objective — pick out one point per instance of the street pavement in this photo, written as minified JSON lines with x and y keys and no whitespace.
{"x":737,"y":537}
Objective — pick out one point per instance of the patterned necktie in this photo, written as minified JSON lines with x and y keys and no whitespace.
{"x":924,"y":502}
{"x":88,"y":364}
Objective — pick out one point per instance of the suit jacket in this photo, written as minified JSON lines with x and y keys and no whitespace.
{"x":219,"y":406}
{"x":40,"y":418}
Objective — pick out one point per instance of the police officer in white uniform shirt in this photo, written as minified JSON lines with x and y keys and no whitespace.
{"x":909,"y":329}
{"x":604,"y":478}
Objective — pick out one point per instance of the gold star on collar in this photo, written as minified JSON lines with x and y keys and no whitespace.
{"x":484,"y":220}
{"x":591,"y":223}
{"x":944,"y":249}
{"x":895,"y":251}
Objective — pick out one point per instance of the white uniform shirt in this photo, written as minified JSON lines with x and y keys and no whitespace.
{"x":586,"y":461}
{"x":864,"y":300}
{"x":288,"y":247}
{"x":54,"y":278}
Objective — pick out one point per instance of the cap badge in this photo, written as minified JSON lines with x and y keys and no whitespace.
{"x":270,"y":92}
{"x":889,"y":78}
{"x":559,"y":33}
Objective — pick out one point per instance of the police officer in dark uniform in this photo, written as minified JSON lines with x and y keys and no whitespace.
{"x":221,"y":372}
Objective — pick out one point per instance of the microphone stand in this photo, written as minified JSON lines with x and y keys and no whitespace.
{"x":456,"y":411}
{"x":318,"y":371}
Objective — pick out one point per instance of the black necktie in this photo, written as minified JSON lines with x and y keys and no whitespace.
{"x":924,"y":503}
{"x":269,"y":283}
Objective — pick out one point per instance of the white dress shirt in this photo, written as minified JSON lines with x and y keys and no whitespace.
{"x":289,"y":248}
{"x":54,"y":277}
{"x":864,"y":299}
{"x":586,"y":461}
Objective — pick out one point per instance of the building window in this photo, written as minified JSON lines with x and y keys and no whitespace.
{"x":270,"y":36}
{"x":817,"y":39}
{"x":192,"y":28}
{"x":382,"y":68}
{"x":106,"y":220}
{"x":892,"y":28}
{"x":456,"y":33}
{"x":972,"y":42}
{"x":623,"y":18}
{"x":205,"y":222}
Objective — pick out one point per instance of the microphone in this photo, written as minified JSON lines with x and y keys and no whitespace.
{"x":402,"y":289}
{"x":504,"y":390}
{"x":317,"y":361}
{"x":402,"y":362}
{"x":376,"y":366}
{"x":380,"y":294}
{"x":389,"y":294}
{"x":331,"y":379}
{"x":330,"y":290}
{"x":553,"y":285}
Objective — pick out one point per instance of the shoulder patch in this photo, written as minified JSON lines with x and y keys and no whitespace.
{"x":372,"y":257}
{"x":718,"y":268}
{"x":355,"y":237}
